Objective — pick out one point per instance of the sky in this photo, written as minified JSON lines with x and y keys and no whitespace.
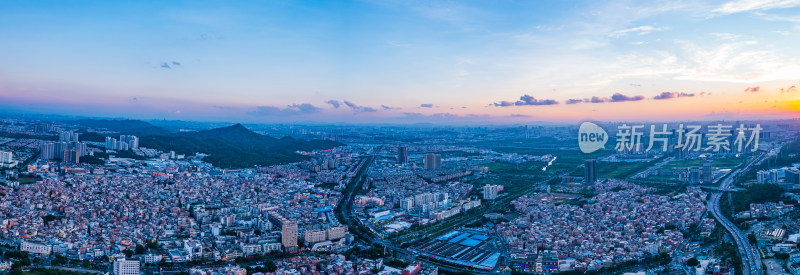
{"x":402,"y":61}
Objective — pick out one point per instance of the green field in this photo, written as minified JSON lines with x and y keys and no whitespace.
{"x":571,"y":162}
{"x":568,"y":161}
{"x":621,"y":170}
{"x":726,"y":163}
{"x":513,"y":176}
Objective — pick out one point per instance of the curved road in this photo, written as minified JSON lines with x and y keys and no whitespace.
{"x":751,"y":259}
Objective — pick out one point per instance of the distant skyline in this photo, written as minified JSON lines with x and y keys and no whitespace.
{"x":402,"y":61}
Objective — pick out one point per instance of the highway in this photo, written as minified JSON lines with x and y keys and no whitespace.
{"x":751,"y":259}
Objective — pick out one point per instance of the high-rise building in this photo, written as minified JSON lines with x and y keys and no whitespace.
{"x":59,"y":148}
{"x":47,"y":151}
{"x":126,"y":267}
{"x":402,"y":154}
{"x":124,"y":143}
{"x":407,"y":203}
{"x":288,"y":230}
{"x":68,"y":136}
{"x":433,"y":161}
{"x":80,"y":147}
{"x":110,"y":143}
{"x":694,"y":175}
{"x":43,"y":127}
{"x":490,"y":192}
{"x":6,"y":156}
{"x":792,"y":176}
{"x":132,"y":141}
{"x":72,"y":156}
{"x":589,"y":171}
{"x":707,"y":172}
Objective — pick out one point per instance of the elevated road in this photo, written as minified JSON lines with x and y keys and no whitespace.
{"x":751,"y":259}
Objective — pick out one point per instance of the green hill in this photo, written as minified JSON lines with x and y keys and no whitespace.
{"x":236,"y":146}
{"x":233,"y":146}
{"x":124,"y":126}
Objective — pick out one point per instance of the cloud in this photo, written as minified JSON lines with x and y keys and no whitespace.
{"x":671,"y":95}
{"x":618,"y":97}
{"x":526,"y":100}
{"x":397,"y":45}
{"x":503,"y":104}
{"x":529,"y":100}
{"x":294,"y":109}
{"x":726,"y":36}
{"x":640,"y":30}
{"x":752,"y":89}
{"x":753,"y":5}
{"x":170,"y":64}
{"x":359,"y":109}
{"x":443,"y":117}
{"x":574,"y":101}
{"x":334,"y":103}
{"x":386,"y":107}
{"x":426,"y":105}
{"x":303,"y":108}
{"x":210,"y":36}
{"x":597,"y":100}
{"x":792,"y":89}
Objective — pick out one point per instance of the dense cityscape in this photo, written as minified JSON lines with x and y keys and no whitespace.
{"x":81,"y":197}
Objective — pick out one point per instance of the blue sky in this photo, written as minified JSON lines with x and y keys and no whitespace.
{"x":396,"y":61}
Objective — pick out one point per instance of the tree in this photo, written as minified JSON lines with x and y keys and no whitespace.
{"x":752,"y":238}
{"x":140,"y":249}
{"x":270,"y":266}
{"x":153,"y":244}
{"x":128,"y":253}
{"x":692,"y":262}
{"x":21,"y":263}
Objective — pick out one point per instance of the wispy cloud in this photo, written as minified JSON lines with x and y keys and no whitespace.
{"x":726,"y":36}
{"x":334,"y":103}
{"x":755,"y":5}
{"x":671,"y":95}
{"x":752,"y":89}
{"x":640,"y":30}
{"x":359,"y":109}
{"x":792,"y":89}
{"x":526,"y":100}
{"x":397,"y":45}
{"x":170,"y":64}
{"x":294,"y":109}
{"x":426,"y":105}
{"x":574,"y":101}
{"x":618,"y":97}
{"x":596,"y":99}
